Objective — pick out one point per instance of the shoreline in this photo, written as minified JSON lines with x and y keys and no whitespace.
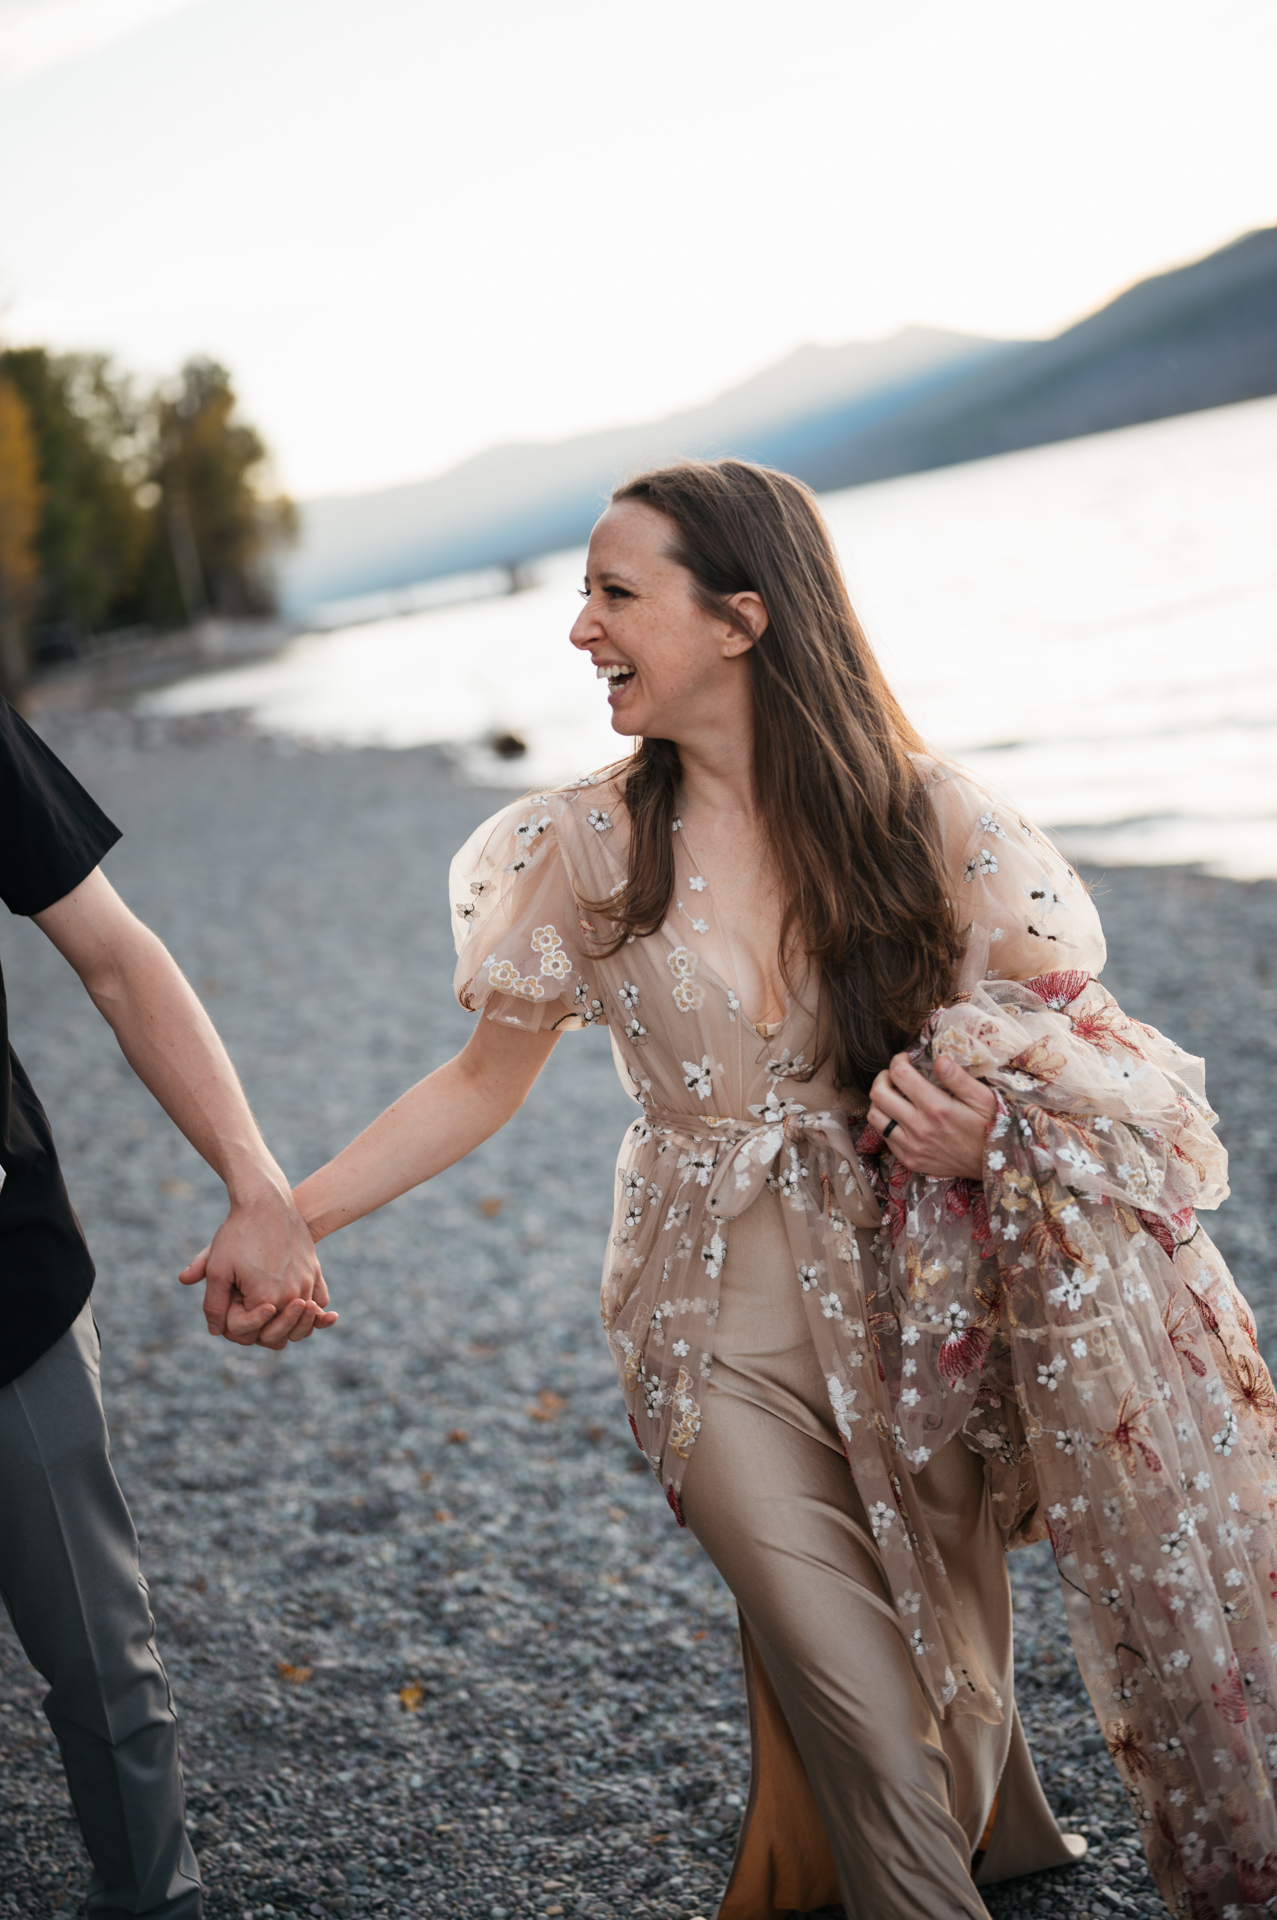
{"x":440,"y":1495}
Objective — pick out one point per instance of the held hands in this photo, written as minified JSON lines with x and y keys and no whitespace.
{"x":262,"y":1280}
{"x":939,"y":1130}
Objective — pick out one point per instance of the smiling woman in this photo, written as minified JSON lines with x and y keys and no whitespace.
{"x":862,"y":1367}
{"x":691,"y":569}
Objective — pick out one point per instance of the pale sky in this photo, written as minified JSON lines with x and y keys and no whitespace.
{"x":412,"y":228}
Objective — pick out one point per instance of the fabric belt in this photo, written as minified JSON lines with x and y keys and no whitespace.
{"x":739,"y":1153}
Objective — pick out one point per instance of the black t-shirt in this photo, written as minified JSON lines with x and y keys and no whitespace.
{"x":52,"y":835}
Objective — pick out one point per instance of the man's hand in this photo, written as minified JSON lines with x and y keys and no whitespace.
{"x":938,"y":1130}
{"x":263,"y":1284}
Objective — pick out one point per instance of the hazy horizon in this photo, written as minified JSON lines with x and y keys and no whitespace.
{"x":412,"y":234}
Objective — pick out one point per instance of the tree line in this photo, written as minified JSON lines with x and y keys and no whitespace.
{"x":123,"y":508}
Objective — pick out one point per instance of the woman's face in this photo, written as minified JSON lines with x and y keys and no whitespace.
{"x":672,"y":668}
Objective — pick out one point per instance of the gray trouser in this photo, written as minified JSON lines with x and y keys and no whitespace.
{"x":71,"y":1580}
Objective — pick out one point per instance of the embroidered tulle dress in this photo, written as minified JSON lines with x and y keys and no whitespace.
{"x":1056,"y":1351}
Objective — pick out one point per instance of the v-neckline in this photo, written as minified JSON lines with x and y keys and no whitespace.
{"x":672,"y":933}
{"x":764,"y":1029}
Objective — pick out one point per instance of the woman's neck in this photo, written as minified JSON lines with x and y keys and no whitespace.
{"x":716,"y":780}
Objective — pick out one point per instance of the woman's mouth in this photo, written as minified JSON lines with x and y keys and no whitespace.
{"x":617,"y":675}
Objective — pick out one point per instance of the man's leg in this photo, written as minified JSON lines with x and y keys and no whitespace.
{"x":72,"y":1583}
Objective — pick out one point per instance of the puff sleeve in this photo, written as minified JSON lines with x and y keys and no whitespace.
{"x":1024,"y":910}
{"x":516,"y":924}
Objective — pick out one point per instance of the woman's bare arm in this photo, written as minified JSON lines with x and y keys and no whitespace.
{"x":437,"y":1122}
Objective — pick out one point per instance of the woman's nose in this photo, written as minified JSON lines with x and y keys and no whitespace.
{"x":585,"y":628}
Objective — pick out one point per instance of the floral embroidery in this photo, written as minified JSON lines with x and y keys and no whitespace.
{"x":588,"y":1006}
{"x":687,"y":995}
{"x":697,"y":1079}
{"x":599,"y":819}
{"x":506,"y":978}
{"x":526,"y":834}
{"x":555,"y":963}
{"x":1067,"y":1315}
{"x":1043,"y":894}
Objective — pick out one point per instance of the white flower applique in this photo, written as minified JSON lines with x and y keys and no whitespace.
{"x":506,"y":978}
{"x":698,"y":883}
{"x":699,"y":1079}
{"x":989,"y":824}
{"x":555,"y":963}
{"x":1043,"y":895}
{"x":599,"y":819}
{"x":526,"y":835}
{"x":682,"y":963}
{"x":982,"y":863}
{"x":588,"y":1006}
{"x":466,"y":908}
{"x":842,"y":1400}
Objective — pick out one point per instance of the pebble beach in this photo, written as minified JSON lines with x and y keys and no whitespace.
{"x":429,"y":1623}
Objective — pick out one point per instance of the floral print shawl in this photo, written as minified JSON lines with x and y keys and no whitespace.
{"x":1067,"y":1317}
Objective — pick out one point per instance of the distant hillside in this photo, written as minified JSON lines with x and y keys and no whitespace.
{"x":513,"y":502}
{"x":1201,"y":336}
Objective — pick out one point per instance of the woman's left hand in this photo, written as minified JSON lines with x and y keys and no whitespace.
{"x":939,"y":1130}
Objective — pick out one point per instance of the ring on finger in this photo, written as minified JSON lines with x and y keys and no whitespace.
{"x":889,"y":1128}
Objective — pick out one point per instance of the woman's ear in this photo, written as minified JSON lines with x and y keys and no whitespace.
{"x":751,"y":615}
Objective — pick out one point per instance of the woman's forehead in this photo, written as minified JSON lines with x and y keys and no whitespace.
{"x":631,"y":534}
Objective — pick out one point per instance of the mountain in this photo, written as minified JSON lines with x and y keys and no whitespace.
{"x":510,"y":503}
{"x":1204,"y":335}
{"x":1200,"y":336}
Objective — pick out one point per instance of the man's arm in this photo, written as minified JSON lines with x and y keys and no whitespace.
{"x":263,"y":1248}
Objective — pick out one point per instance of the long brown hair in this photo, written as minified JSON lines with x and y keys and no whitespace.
{"x":854,"y":836}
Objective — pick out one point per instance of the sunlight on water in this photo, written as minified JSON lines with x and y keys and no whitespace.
{"x":1092,"y":626}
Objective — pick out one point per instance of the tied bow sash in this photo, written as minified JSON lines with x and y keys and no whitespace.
{"x":735,"y":1159}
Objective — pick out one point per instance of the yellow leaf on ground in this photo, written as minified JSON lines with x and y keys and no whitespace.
{"x":548,"y":1405}
{"x":410,"y":1698}
{"x":491,"y":1207}
{"x":298,"y":1675}
{"x":458,"y":1437}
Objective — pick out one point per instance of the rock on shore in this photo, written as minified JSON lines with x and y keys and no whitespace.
{"x":430,"y":1633}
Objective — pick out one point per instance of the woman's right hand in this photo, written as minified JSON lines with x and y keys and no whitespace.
{"x":938,"y":1130}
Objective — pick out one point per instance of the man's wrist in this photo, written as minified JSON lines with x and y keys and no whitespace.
{"x":253,"y":1178}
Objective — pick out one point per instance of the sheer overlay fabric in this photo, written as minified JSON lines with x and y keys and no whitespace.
{"x":1066,"y":1318}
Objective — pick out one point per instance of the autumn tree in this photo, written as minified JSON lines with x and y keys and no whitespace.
{"x":219,"y":521}
{"x":90,"y":434}
{"x":21,"y":501}
{"x":150,"y":509}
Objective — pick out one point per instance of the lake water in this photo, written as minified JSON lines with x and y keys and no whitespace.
{"x":1092,"y":626}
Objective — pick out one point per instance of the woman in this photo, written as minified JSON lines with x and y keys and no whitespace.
{"x":908,"y":1195}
